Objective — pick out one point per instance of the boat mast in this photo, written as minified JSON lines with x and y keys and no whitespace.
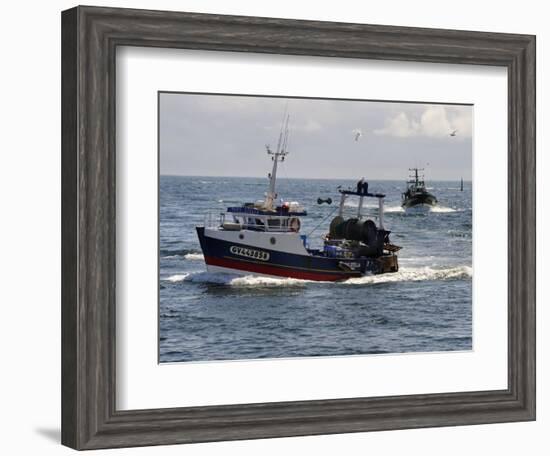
{"x":416,"y":181}
{"x":278,"y":155}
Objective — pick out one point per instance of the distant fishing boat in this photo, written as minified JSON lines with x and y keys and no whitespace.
{"x":264,"y":237}
{"x":417,"y":197}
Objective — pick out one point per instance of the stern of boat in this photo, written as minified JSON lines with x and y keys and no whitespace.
{"x":388,"y":263}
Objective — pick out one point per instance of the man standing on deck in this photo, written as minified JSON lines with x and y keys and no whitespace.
{"x":361,"y":186}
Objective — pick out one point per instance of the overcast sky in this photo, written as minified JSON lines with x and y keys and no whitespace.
{"x":221,"y":135}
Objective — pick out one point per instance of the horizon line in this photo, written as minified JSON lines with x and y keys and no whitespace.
{"x":316,"y":178}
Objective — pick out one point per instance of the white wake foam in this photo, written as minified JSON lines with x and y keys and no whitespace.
{"x":374,"y":207}
{"x":393,"y":209}
{"x":442,"y":209}
{"x":187,"y":256}
{"x":266,"y":281}
{"x":176,"y":277}
{"x":398,"y":208}
{"x":424,"y":210}
{"x":194,"y":256}
{"x":235,"y":280}
{"x":404,"y":275}
{"x":414,"y":275}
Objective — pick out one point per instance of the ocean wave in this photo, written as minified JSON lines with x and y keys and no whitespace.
{"x":414,"y":275}
{"x":393,"y":209}
{"x":459,"y":234}
{"x":194,"y":256}
{"x":179,"y":253}
{"x":442,"y":209}
{"x":234,"y":280}
{"x":165,"y":253}
{"x":176,"y":277}
{"x":423,"y":210}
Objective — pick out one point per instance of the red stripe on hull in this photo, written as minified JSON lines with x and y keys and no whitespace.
{"x":276,"y":271}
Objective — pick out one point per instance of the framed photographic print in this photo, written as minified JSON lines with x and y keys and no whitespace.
{"x":279,"y":228}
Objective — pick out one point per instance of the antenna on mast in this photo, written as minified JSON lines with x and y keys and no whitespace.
{"x":284,"y":149}
{"x":284,"y":131}
{"x":278,"y":155}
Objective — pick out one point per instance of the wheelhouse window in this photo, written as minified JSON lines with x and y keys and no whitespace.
{"x":274,"y":224}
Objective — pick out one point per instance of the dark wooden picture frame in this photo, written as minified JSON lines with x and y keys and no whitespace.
{"x":90,"y":36}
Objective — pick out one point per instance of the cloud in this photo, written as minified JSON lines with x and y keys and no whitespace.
{"x":432,"y":122}
{"x":308,"y":126}
{"x":400,"y":125}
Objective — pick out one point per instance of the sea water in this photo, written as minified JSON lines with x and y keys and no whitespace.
{"x":425,"y":307}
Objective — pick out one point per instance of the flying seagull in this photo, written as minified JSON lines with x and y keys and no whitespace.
{"x":453,"y":133}
{"x":357,"y":134}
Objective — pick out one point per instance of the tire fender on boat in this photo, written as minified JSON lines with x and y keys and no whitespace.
{"x":294,"y":224}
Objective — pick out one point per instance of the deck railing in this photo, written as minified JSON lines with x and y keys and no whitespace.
{"x":214,"y":220}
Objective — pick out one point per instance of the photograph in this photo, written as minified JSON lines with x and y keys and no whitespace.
{"x":312,"y":227}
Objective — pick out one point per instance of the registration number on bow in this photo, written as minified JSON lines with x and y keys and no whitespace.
{"x":249,"y":253}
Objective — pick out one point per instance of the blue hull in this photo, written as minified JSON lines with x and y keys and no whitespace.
{"x":231,"y":255}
